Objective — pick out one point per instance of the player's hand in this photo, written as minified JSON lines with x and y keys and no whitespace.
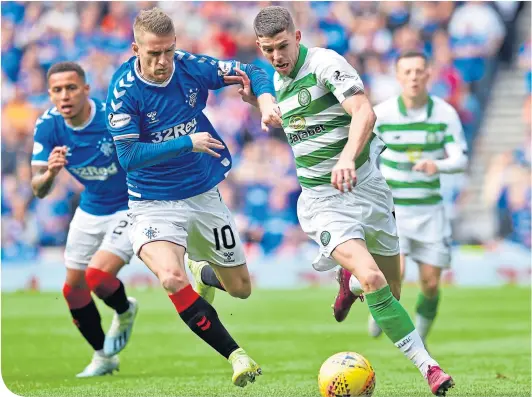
{"x":429,"y":167}
{"x":343,"y":175}
{"x":245,"y":89}
{"x":270,"y":112}
{"x":203,"y":142}
{"x":57,"y":159}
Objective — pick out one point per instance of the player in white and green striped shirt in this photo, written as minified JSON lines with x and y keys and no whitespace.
{"x":345,"y":206}
{"x":424,"y":137}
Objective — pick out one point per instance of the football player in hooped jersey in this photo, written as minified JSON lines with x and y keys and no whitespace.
{"x":73,"y":135}
{"x":174,"y":160}
{"x":345,"y":204}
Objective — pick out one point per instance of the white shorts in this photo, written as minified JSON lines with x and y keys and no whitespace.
{"x":202,"y":224}
{"x":436,"y":254}
{"x":90,"y":233}
{"x":425,"y":234}
{"x":364,"y":213}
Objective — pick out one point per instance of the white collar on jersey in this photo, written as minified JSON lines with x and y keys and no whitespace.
{"x":89,"y":120}
{"x":149,"y":82}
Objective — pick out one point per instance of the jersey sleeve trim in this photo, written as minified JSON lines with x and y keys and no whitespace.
{"x":352,"y":91}
{"x":126,"y":136}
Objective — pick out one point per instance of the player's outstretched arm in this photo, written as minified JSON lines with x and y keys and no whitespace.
{"x":134,"y":155}
{"x":257,"y":79}
{"x":270,"y":112}
{"x":262,"y":87}
{"x":217,"y":74}
{"x":43,"y":176}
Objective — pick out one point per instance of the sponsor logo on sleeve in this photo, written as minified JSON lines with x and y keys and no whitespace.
{"x":119,"y":120}
{"x":343,"y":76}
{"x":224,"y":68}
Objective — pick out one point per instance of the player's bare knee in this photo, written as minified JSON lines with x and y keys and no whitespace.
{"x":430,"y":286}
{"x":240,"y":293}
{"x":173,"y":280}
{"x":81,"y":284}
{"x":373,"y":280}
{"x":76,"y":279}
{"x":242,"y":290}
{"x":430,"y":283}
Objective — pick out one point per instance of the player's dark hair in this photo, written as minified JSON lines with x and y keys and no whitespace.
{"x":61,"y":67}
{"x":153,"y":21}
{"x":273,"y":20}
{"x":412,"y":54}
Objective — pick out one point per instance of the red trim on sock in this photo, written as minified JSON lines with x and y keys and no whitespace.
{"x":76,"y":297}
{"x":102,"y":283}
{"x":184,"y":298}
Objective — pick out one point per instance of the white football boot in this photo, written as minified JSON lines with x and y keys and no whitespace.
{"x":119,"y":333}
{"x":99,"y":366}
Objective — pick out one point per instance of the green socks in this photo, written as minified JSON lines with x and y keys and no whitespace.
{"x":426,"y":310}
{"x":389,"y":314}
{"x":393,"y":319}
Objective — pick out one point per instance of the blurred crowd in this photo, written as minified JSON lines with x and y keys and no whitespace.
{"x":508,"y":184}
{"x":465,"y":40}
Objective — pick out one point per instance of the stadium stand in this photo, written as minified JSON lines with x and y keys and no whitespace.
{"x":478,"y":67}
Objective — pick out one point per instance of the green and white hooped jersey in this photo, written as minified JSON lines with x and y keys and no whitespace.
{"x":315,"y":123}
{"x":412,"y":135}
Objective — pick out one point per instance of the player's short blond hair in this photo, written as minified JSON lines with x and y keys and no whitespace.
{"x":153,"y":21}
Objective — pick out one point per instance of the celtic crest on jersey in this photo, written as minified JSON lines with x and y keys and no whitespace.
{"x":304,"y":98}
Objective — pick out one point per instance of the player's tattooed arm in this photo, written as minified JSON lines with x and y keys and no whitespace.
{"x":42,"y":181}
{"x":43,"y":176}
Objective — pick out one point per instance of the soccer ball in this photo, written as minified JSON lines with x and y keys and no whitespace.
{"x":346,"y":374}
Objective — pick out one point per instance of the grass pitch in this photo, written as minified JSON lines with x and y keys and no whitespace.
{"x":482,"y":337}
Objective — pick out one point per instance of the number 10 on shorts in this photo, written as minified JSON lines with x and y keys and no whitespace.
{"x":225,"y":234}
